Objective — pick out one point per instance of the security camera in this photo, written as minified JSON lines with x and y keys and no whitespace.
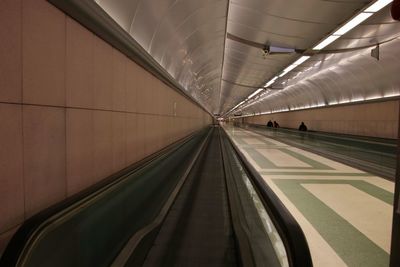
{"x":265,"y":51}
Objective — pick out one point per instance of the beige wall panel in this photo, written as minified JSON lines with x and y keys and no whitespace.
{"x":158,"y":130}
{"x":161,"y":134}
{"x":132,"y":140}
{"x":186,"y":110}
{"x":149,"y":94}
{"x":184,"y":126}
{"x":167,"y":103}
{"x":80,"y":150}
{"x":44,"y":157}
{"x":79,"y":66}
{"x":191,"y":109}
{"x":157,"y":98}
{"x":154,"y":101}
{"x":179,"y":105}
{"x":175,"y":129}
{"x":103,"y":156}
{"x":10,"y":51}
{"x":165,"y":123}
{"x":132,"y":85}
{"x":176,"y":104}
{"x":142,"y":91}
{"x":163,"y":102}
{"x":141,"y":136}
{"x":102,"y":74}
{"x":172,"y":129}
{"x":150,"y":135}
{"x":140,"y":81}
{"x":119,"y":140}
{"x":164,"y":136}
{"x":43,"y":54}
{"x":180,"y":128}
{"x":11,"y":176}
{"x":169,"y":130}
{"x":119,"y":81}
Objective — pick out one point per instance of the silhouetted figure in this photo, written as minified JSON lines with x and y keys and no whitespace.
{"x":269,"y":124}
{"x":302,"y":127}
{"x":276,"y":125}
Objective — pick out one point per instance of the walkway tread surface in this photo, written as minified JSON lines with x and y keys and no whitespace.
{"x":197,"y":230}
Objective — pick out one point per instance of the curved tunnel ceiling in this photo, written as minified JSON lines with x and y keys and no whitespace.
{"x":336,"y":79}
{"x":185,"y":37}
{"x":188,"y":38}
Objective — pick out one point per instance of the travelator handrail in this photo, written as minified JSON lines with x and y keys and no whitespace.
{"x":30,"y":231}
{"x":293,"y":238}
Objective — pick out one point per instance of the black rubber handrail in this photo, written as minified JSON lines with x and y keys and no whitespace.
{"x":17,"y":243}
{"x":295,"y":242}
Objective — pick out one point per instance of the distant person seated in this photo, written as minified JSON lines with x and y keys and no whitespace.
{"x":269,"y":124}
{"x":276,"y":125}
{"x":302,"y":127}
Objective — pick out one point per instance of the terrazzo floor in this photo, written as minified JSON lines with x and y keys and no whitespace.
{"x":345,"y":213}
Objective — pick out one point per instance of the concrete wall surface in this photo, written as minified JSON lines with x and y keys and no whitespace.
{"x":73,"y":110}
{"x":378,"y":119}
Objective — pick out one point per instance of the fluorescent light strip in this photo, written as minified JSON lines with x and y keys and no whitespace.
{"x":301,"y":60}
{"x":255,"y":93}
{"x":271,"y":81}
{"x":237,"y":105}
{"x":328,"y":40}
{"x":391,"y":95}
{"x":378,"y":5}
{"x":283,"y":73}
{"x":294,"y":65}
{"x":291,"y":67}
{"x":353,"y":23}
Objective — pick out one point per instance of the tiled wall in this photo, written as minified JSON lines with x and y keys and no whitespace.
{"x":379,"y":119}
{"x":73,"y":110}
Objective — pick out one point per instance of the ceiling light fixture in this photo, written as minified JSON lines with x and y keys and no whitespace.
{"x":271,"y":81}
{"x":327,"y":41}
{"x":255,"y":93}
{"x":378,"y":5}
{"x":352,"y":23}
{"x":298,"y":62}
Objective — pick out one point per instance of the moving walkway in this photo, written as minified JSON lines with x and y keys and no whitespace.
{"x":197,"y":202}
{"x":375,"y":155}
